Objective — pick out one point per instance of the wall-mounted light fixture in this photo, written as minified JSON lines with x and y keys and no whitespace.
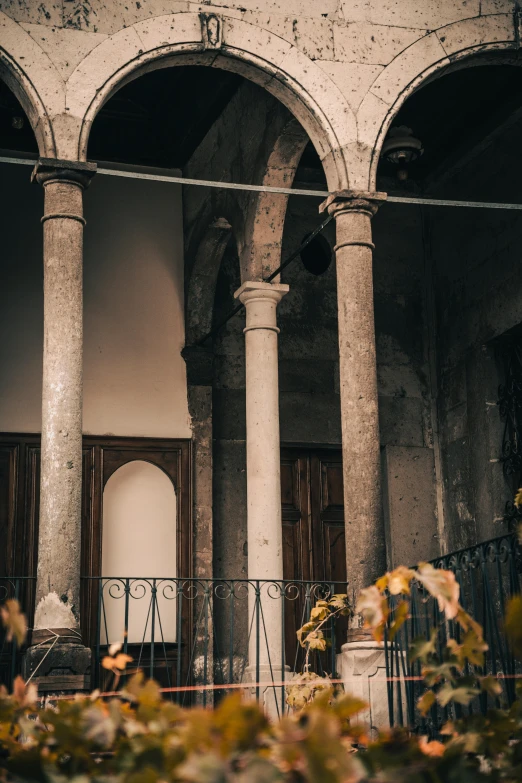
{"x":401,"y":148}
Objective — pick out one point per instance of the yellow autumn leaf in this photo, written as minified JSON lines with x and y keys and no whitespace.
{"x":14,"y":621}
{"x":399,"y":580}
{"x":400,"y":615}
{"x":431,"y":748}
{"x":426,"y":702}
{"x":117,"y":663}
{"x":373,"y":607}
{"x":518,"y":498}
{"x":319,"y":613}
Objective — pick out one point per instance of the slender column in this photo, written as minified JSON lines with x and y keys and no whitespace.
{"x":59,"y":538}
{"x":365,"y":553}
{"x":265,"y":539}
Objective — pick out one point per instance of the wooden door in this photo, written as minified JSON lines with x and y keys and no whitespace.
{"x":313,"y":528}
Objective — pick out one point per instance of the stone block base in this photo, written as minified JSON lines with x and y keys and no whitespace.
{"x":58,"y":669}
{"x":271,"y":697}
{"x":362,"y":667}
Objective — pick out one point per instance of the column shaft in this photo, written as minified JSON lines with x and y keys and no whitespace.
{"x":365,"y":548}
{"x":59,"y":539}
{"x":265,"y":538}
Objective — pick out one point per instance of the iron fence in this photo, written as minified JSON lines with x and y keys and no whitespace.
{"x":200,"y":638}
{"x":488,"y":574}
{"x":22,"y":589}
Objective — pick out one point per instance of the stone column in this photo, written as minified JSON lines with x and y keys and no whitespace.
{"x":365,"y":549}
{"x":59,"y":537}
{"x":265,"y":539}
{"x":361,"y":663}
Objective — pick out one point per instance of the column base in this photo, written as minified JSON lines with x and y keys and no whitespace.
{"x":271,"y":697}
{"x":58,"y":669}
{"x":362,"y":667}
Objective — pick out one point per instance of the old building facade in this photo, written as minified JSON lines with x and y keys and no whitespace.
{"x":347,"y":417}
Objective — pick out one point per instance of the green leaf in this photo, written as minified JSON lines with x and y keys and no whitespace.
{"x":462,"y":694}
{"x":421,"y":648}
{"x":490,"y":685}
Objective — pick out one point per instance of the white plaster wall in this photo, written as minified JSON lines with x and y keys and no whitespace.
{"x":135,"y":381}
{"x":134,"y":375}
{"x":139,"y":538}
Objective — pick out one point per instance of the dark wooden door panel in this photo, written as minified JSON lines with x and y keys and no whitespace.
{"x":8,"y":488}
{"x":312,"y":506}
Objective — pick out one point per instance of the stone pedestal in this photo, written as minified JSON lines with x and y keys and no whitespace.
{"x":362,"y":668}
{"x":271,"y":697}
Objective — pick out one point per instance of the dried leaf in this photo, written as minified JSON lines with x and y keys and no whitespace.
{"x":462,"y":694}
{"x":513,"y":624}
{"x":316,"y":641}
{"x":304,"y":631}
{"x":400,"y":616}
{"x":374,"y":608}
{"x":115,"y":648}
{"x":399,"y":580}
{"x":421,"y":648}
{"x":116,"y":664}
{"x":442,"y":585}
{"x":426,"y":702}
{"x":14,"y":621}
{"x":433,"y":748}
{"x":490,"y":685}
{"x":25,"y":695}
{"x":319,"y":613}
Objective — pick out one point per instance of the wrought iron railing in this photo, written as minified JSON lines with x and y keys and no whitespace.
{"x":21,"y":588}
{"x":488,"y":574}
{"x":200,"y":638}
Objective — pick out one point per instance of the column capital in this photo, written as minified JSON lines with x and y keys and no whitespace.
{"x":353,"y":201}
{"x":257,"y":289}
{"x":261,"y":300}
{"x":53,"y":169}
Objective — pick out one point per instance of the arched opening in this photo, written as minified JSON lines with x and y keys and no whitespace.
{"x":139,"y":541}
{"x":447,"y":296}
{"x":21,"y":321}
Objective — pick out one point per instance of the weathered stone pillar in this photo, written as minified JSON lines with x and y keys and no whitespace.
{"x":265,"y":537}
{"x":365,"y":549}
{"x":362,"y":660}
{"x":59,"y":537}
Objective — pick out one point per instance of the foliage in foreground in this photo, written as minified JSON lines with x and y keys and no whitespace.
{"x":137,"y":737}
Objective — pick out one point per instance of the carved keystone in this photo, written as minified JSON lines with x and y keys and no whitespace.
{"x":211,"y":29}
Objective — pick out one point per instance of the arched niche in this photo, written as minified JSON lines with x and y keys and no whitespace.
{"x":139,"y":541}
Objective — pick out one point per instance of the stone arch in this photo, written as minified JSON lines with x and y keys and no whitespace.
{"x":201,"y":285}
{"x":37,"y":84}
{"x":261,"y":253}
{"x":428,"y":57}
{"x":252,"y":51}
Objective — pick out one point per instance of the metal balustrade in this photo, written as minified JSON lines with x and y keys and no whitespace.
{"x":200,"y":638}
{"x":488,"y":574}
{"x":22,"y":589}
